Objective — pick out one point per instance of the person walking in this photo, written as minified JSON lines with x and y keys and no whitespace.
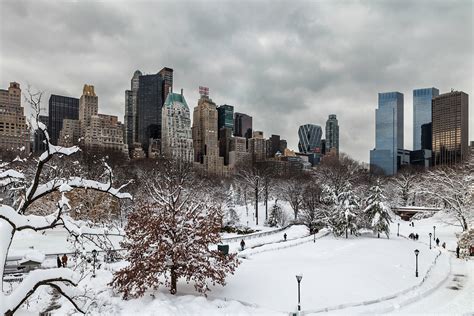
{"x":457,"y":251}
{"x":64,"y":260}
{"x":417,"y":236}
{"x":437,"y":242}
{"x":284,"y":236}
{"x":58,"y":261}
{"x":444,"y":245}
{"x":242,"y":244}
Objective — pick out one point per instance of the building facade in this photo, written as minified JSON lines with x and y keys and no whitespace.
{"x":205,"y":137}
{"x":60,"y":108}
{"x":388,"y":133}
{"x":421,"y":112}
{"x":257,"y":146}
{"x":450,"y":128}
{"x":309,"y":136}
{"x":149,"y":106}
{"x":39,"y":144}
{"x":130,"y":118}
{"x":225,"y":119}
{"x":332,"y":133}
{"x":14,"y":132}
{"x":177,"y":141}
{"x":242,"y":125}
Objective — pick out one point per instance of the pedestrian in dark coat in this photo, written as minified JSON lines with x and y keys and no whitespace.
{"x":242,"y":244}
{"x":284,"y":236}
{"x":437,"y":242}
{"x":457,"y":251}
{"x":58,"y":262}
{"x":64,"y":260}
{"x":417,"y":236}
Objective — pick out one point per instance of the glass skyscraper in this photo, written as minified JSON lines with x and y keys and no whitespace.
{"x":149,"y":106}
{"x":421,"y":112}
{"x":225,"y":117}
{"x":310,"y":138}
{"x":388,"y":133}
{"x":60,"y":108}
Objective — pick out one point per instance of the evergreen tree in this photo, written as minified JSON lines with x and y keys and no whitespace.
{"x":344,"y":216}
{"x":377,"y":212}
{"x":277,"y":216}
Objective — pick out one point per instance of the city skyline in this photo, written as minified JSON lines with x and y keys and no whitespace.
{"x":255,"y":57}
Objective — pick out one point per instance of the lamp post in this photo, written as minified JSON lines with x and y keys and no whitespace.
{"x":430,"y":240}
{"x":94,"y":256}
{"x":314,"y":236}
{"x":416,"y":254}
{"x":298,"y":278}
{"x":434,"y":232}
{"x":398,"y":231}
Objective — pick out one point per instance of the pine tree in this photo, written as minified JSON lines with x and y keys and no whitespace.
{"x":377,"y":212}
{"x":344,"y":219}
{"x":277,"y":216}
{"x":169,"y":236}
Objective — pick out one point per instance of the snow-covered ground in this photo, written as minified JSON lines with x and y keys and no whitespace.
{"x":358,"y":275}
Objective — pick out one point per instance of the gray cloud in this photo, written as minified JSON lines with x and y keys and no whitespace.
{"x":285,"y":63}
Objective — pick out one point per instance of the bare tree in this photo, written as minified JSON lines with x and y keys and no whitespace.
{"x":405,"y":183}
{"x":292,"y":192}
{"x":14,"y":218}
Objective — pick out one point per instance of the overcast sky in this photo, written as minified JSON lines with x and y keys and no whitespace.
{"x":285,"y":63}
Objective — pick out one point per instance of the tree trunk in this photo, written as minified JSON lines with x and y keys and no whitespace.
{"x":346,"y":234}
{"x":6,"y":233}
{"x":266,"y":202}
{"x":173,"y":289}
{"x":256,"y":203}
{"x":378,"y":235}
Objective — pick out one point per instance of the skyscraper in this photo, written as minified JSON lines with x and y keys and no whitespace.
{"x":205,"y":141}
{"x":39,"y":139}
{"x":421,"y":112}
{"x":130,"y":119}
{"x":310,"y":138}
{"x":427,"y":136}
{"x":388,"y":133}
{"x":450,"y":125}
{"x":225,"y":117}
{"x":177,"y":141}
{"x":149,"y":105}
{"x":332,"y":133}
{"x":14,"y":133}
{"x":167,"y":76}
{"x":88,"y":104}
{"x":243,"y":125}
{"x":60,"y":108}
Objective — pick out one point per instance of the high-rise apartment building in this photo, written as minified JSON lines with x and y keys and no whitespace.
{"x":332,"y":133}
{"x":257,"y":146}
{"x":450,"y":128}
{"x":60,"y":108}
{"x":388,"y":133}
{"x":421,"y":112}
{"x":205,"y":140}
{"x":238,"y":154}
{"x":177,"y":141}
{"x":14,"y":132}
{"x":242,"y":125}
{"x":130,"y":119}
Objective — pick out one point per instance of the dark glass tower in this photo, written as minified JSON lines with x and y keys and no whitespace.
{"x":225,"y":117}
{"x":332,"y":133}
{"x":243,"y":125}
{"x":450,"y":124}
{"x":310,"y":138}
{"x":426,"y":136}
{"x":421,"y":112}
{"x":60,"y":108}
{"x":149,"y":106}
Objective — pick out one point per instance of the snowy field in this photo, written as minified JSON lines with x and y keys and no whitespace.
{"x":358,"y":275}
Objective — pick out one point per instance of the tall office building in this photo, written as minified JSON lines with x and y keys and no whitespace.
{"x":14,"y":132}
{"x":88,"y":104}
{"x":149,"y":106}
{"x":243,"y":125}
{"x":167,"y":87}
{"x":225,"y":115}
{"x":130,"y":119}
{"x":310,"y":138}
{"x":257,"y":146}
{"x":60,"y":108}
{"x":421,"y":112}
{"x":205,"y":141}
{"x":388,"y":133}
{"x":177,"y":141}
{"x":427,"y":136}
{"x":450,"y":125}
{"x":332,"y":133}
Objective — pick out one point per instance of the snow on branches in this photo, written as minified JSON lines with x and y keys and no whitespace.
{"x":14,"y":218}
{"x":377,"y":212}
{"x":170,"y":233}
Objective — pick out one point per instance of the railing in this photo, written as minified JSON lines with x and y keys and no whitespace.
{"x":255,"y":235}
